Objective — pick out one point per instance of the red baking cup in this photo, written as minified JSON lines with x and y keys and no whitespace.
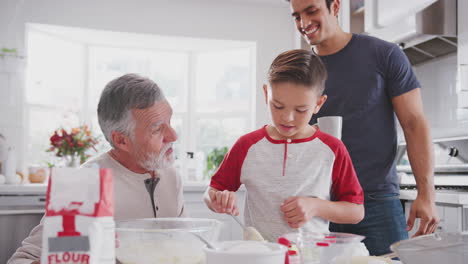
{"x":284,"y":241}
{"x":331,"y":239}
{"x":322,"y":244}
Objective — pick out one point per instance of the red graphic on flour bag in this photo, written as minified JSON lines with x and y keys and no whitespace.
{"x":78,"y":225}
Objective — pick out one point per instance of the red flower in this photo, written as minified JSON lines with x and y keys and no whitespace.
{"x":78,"y":141}
{"x":55,"y":138}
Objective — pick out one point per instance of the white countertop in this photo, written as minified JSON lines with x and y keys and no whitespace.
{"x":442,"y":196}
{"x":23,"y":189}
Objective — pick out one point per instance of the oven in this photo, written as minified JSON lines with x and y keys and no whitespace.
{"x":450,"y":180}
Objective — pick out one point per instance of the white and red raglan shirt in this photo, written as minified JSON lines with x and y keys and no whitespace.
{"x":274,"y":170}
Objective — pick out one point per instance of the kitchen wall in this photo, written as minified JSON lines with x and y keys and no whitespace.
{"x":439,"y":91}
{"x":266,"y":22}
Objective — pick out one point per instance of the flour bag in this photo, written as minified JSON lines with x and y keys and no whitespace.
{"x":79,"y":225}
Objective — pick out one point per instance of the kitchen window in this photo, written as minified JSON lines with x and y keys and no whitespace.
{"x":209,"y":83}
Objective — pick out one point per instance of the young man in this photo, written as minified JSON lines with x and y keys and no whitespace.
{"x":369,"y":81}
{"x":134,"y":116}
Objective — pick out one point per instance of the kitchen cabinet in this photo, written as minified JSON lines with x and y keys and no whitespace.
{"x":15,"y":225}
{"x":462,"y":55}
{"x":463,"y":34}
{"x":374,"y":17}
{"x":383,"y":13}
{"x":351,"y":16}
{"x":453,"y":217}
{"x":195,"y":207}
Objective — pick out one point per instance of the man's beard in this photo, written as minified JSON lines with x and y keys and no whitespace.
{"x":154,"y":161}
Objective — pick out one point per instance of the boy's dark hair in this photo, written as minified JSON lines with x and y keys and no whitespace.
{"x":300,"y":67}
{"x":328,"y":2}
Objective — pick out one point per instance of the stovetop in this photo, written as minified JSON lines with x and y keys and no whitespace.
{"x":460,"y":189}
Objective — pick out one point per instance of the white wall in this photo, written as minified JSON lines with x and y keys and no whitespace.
{"x":269,"y":24}
{"x":439,"y":91}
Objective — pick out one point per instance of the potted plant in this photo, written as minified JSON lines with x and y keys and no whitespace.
{"x":213,"y":160}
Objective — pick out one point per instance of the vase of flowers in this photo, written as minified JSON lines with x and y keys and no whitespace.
{"x":73,"y":145}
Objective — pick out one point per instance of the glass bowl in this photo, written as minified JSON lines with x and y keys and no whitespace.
{"x":315,"y":248}
{"x":164,"y":240}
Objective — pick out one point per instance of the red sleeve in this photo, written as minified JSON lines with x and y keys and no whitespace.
{"x":345,"y":184}
{"x":228,"y":175}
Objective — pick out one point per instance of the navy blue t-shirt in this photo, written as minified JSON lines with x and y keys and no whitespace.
{"x":363,"y":77}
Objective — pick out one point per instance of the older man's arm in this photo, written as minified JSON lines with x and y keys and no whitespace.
{"x":30,"y":250}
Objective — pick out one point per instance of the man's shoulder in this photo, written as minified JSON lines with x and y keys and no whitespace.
{"x":373,"y":41}
{"x":101,"y":161}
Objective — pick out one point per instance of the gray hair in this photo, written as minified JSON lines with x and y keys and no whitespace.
{"x":130,"y":91}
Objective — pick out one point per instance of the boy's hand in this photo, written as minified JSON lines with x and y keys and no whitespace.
{"x":223,"y":201}
{"x":299,"y":210}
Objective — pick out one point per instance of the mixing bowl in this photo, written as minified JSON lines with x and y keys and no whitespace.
{"x":164,"y":240}
{"x":321,"y":248}
{"x":246,"y":252}
{"x":433,"y":249}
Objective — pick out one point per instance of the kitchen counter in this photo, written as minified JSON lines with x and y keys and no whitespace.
{"x":23,"y":189}
{"x":442,"y":196}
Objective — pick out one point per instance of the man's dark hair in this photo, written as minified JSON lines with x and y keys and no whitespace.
{"x":301,"y":67}
{"x":328,"y":2}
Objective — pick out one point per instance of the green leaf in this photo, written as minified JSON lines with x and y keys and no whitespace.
{"x":213,"y":160}
{"x":5,"y":50}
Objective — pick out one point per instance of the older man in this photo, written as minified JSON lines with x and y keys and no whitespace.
{"x":135,"y":118}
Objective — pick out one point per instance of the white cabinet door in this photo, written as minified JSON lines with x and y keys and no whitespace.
{"x":388,"y":12}
{"x":450,"y":218}
{"x":463,"y":53}
{"x":453,"y":218}
{"x":380,"y":14}
{"x":463,"y":35}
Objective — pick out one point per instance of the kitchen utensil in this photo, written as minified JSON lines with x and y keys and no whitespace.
{"x":164,"y":240}
{"x":322,"y":248}
{"x":246,"y":252}
{"x":208,"y":244}
{"x":250,"y":233}
{"x":434,"y":248}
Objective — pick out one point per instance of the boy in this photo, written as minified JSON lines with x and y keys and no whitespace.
{"x":295,"y":175}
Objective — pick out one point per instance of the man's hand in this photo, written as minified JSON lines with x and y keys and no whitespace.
{"x":425,"y":210}
{"x":223,"y":201}
{"x":299,"y":210}
{"x":36,"y":262}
